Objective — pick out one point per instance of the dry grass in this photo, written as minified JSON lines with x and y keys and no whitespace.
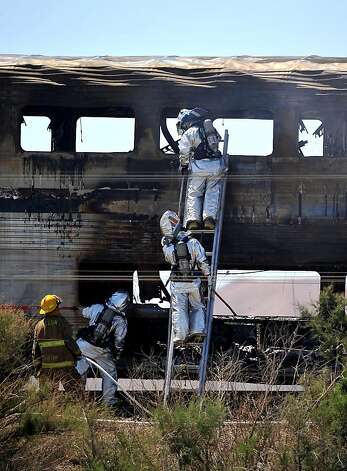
{"x":15,"y":339}
{"x":44,"y":430}
{"x":49,"y":431}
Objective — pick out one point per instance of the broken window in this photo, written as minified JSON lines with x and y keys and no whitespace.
{"x":166,"y":146}
{"x":247,"y":136}
{"x":105,"y":134}
{"x":311,"y":137}
{"x":35,"y":133}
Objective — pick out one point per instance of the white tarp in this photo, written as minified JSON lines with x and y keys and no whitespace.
{"x":266,"y":293}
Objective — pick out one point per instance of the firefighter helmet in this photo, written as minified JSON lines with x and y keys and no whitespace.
{"x":49,"y":303}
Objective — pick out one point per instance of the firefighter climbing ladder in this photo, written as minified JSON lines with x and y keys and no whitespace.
{"x":211,"y":286}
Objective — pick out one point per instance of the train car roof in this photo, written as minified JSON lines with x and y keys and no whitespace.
{"x":325,"y":73}
{"x":232,"y":63}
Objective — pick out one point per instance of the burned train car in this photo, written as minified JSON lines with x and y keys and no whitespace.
{"x":79,"y":222}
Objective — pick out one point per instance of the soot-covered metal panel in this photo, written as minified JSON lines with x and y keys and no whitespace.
{"x":60,"y":209}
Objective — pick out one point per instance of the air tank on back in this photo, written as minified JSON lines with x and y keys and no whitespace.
{"x":211,"y":135}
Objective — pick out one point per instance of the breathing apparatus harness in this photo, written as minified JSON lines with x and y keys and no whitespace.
{"x":182,"y":266}
{"x":100,"y":333}
{"x":182,"y":269}
{"x":209,"y":136}
{"x":208,"y":147}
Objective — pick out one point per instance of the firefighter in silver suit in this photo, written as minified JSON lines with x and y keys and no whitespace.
{"x":186,"y":255}
{"x":199,"y":154}
{"x":103,"y":340}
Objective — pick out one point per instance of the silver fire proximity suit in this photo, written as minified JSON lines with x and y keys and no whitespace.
{"x":106,"y":351}
{"x":187,"y":307}
{"x":203,"y":189}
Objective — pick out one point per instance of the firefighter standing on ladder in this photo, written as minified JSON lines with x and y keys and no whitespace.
{"x":185,"y":254}
{"x":199,"y":154}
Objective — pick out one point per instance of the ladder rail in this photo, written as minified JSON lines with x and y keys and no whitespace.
{"x":169,"y":360}
{"x":211,"y":288}
{"x":170,"y":342}
{"x":182,"y":198}
{"x":214,"y":271}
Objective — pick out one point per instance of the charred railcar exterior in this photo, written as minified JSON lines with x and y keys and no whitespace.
{"x":80,"y":223}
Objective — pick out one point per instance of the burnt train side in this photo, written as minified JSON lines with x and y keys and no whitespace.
{"x":81,"y":223}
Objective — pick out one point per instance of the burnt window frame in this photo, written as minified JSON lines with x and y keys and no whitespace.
{"x":167,"y":113}
{"x":258,"y":114}
{"x":73,"y":114}
{"x":225,"y":114}
{"x":344,"y":135}
{"x":106,"y":112}
{"x":38,"y":111}
{"x":310,"y":116}
{"x":22,"y":121}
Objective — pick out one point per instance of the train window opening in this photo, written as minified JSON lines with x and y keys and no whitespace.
{"x":171,"y":127}
{"x":35,"y":133}
{"x":143,"y":293}
{"x":247,"y":136}
{"x":105,"y":134}
{"x":311,"y":138}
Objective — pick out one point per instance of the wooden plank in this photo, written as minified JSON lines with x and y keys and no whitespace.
{"x":156,"y":385}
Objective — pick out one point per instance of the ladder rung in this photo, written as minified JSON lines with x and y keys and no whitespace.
{"x":202,"y":231}
{"x":187,"y":366}
{"x":194,"y":344}
{"x":191,"y":343}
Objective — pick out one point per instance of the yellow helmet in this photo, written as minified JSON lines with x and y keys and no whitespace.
{"x":49,"y":303}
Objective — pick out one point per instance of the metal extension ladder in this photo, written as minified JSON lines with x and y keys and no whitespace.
{"x":217,"y":235}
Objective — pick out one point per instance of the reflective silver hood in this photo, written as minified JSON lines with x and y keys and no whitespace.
{"x":119,"y":301}
{"x":168,"y":223}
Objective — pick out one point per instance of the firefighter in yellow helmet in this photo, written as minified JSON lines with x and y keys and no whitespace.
{"x":54,"y":350}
